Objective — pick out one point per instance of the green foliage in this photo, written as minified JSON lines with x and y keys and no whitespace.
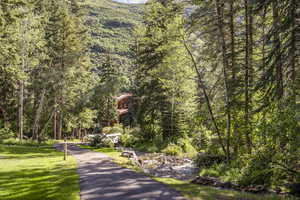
{"x":30,"y":143}
{"x":208,"y":160}
{"x":257,"y":170}
{"x":106,"y":143}
{"x":96,"y":139}
{"x":187,"y":147}
{"x":106,"y":130}
{"x":173,"y":150}
{"x":112,"y":32}
{"x":100,"y":141}
{"x":165,"y":92}
{"x":117,"y":128}
{"x":128,"y":140}
{"x":5,"y":133}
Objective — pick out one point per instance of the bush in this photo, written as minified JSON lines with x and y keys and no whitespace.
{"x":106,"y":130}
{"x":117,"y":128}
{"x":105,"y":142}
{"x":100,"y":141}
{"x":96,"y":139}
{"x":31,"y":143}
{"x":128,"y":140}
{"x":173,"y":150}
{"x":5,"y":133}
{"x":187,"y":147}
{"x":208,"y":160}
{"x":88,"y":138}
{"x":213,"y":171}
{"x":200,"y":138}
{"x":257,"y":170}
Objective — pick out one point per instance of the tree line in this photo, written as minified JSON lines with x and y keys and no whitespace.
{"x":224,"y":75}
{"x":49,"y":85}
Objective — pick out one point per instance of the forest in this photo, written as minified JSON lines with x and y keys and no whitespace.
{"x":217,"y":81}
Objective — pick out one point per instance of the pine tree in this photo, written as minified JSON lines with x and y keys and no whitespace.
{"x":164,"y":78}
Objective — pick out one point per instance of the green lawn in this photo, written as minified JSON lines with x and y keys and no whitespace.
{"x":190,"y":191}
{"x":36,"y":173}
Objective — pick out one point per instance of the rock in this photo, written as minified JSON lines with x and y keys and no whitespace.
{"x":158,"y":164}
{"x":128,"y":154}
{"x":255,"y":188}
{"x":204,"y":180}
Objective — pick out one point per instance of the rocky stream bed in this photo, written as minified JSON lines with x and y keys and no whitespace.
{"x":161,"y":165}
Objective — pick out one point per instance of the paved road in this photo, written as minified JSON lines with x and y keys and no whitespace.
{"x":102,"y":179}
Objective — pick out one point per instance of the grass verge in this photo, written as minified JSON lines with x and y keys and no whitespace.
{"x":188,"y":190}
{"x":36,"y":173}
{"x":115,"y":155}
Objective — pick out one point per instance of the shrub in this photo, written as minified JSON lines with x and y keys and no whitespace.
{"x":150,"y":147}
{"x":200,"y":138}
{"x":95,"y":140}
{"x":105,"y":142}
{"x":128,"y":140}
{"x":31,"y":143}
{"x":117,"y":128}
{"x":5,"y":133}
{"x":100,"y":141}
{"x":106,"y":129}
{"x":173,"y":150}
{"x":187,"y":147}
{"x":208,"y":160}
{"x":257,"y":170}
{"x":88,"y":138}
{"x":211,"y":172}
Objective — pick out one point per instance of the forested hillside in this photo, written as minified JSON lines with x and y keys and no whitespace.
{"x":112,"y":26}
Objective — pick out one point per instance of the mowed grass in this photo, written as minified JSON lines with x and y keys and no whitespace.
{"x":37,"y":173}
{"x":199,"y":192}
{"x":188,"y":190}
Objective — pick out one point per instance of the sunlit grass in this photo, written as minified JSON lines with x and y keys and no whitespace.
{"x":198,"y":192}
{"x":36,"y":173}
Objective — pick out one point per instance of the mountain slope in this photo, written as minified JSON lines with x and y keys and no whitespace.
{"x":111,"y":25}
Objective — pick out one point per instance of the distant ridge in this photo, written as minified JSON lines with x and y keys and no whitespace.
{"x":111,"y":26}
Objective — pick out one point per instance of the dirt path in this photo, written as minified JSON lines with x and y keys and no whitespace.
{"x":102,"y":179}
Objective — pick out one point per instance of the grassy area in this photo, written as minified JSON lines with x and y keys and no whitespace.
{"x":198,"y":192}
{"x":30,"y":172}
{"x":49,"y":143}
{"x":190,"y":191}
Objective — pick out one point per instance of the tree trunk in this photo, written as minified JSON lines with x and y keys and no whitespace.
{"x":21,"y":108}
{"x":277,"y":48}
{"x":38,"y":116}
{"x":55,"y":120}
{"x":220,"y":18}
{"x":293,"y":51}
{"x":236,"y":134}
{"x":248,"y":70}
{"x":79,"y":133}
{"x":60,"y":125}
{"x":201,"y":84}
